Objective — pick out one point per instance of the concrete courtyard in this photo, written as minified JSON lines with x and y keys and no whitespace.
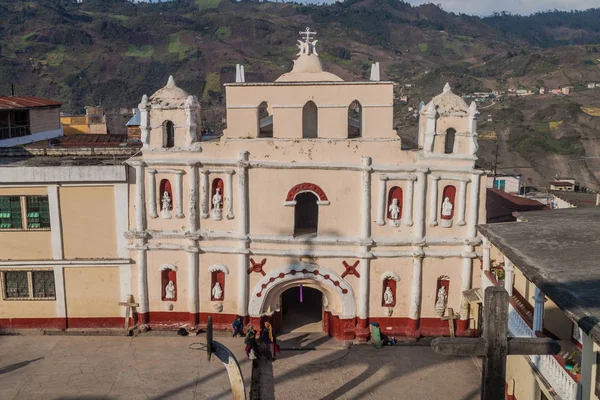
{"x":155,"y":366}
{"x":105,"y":367}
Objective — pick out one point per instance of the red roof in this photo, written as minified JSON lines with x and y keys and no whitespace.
{"x":92,"y":140}
{"x":500,"y":205}
{"x":19,"y":102}
{"x":557,"y":183}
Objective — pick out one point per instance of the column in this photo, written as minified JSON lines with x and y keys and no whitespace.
{"x":466,"y":275}
{"x":205,"y":193}
{"x":179,"y":194}
{"x":509,"y":270}
{"x":416,"y":290}
{"x":59,"y":289}
{"x":462,"y":198}
{"x":55,"y":222}
{"x":589,"y":369}
{"x":474,"y":206}
{"x":487,"y":265}
{"x":419,"y":230}
{"x":229,"y":194}
{"x":143,"y":301}
{"x":140,"y":207}
{"x":381,"y":211}
{"x":365,"y":231}
{"x":121,"y":198}
{"x":362,"y":330}
{"x":433,"y":201}
{"x":538,"y":311}
{"x":408,"y":203}
{"x":194,"y":291}
{"x":243,"y":230}
{"x":193,"y":211}
{"x":152,"y":194}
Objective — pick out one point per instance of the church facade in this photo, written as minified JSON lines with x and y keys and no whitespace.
{"x":307,"y":189}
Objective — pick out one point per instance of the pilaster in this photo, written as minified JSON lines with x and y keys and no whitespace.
{"x":419,"y":229}
{"x":55,"y":222}
{"x":366,"y":199}
{"x":179,"y":194}
{"x":193,"y":196}
{"x":462,"y":198}
{"x":243,"y":230}
{"x":433,"y":201}
{"x":538,"y":310}
{"x":152,"y":194}
{"x":474,"y":206}
{"x":140,"y":207}
{"x":205,"y":194}
{"x":509,"y":270}
{"x":381,"y":210}
{"x":416,"y":289}
{"x":229,"y":194}
{"x":193,"y":288}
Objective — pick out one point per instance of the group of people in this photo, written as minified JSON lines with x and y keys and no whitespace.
{"x":257,"y":343}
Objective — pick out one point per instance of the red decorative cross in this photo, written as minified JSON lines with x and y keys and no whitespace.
{"x":257,"y":267}
{"x":350,"y":269}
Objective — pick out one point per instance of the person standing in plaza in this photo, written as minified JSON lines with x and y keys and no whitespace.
{"x":268,"y":339}
{"x":238,"y":326}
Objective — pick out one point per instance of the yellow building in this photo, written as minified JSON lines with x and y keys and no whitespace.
{"x":93,"y":122}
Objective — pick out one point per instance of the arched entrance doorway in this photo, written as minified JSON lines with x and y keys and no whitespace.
{"x":335,"y":299}
{"x":301,"y":310}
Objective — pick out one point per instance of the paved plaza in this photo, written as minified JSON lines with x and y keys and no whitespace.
{"x":163,"y":367}
{"x":93,"y":368}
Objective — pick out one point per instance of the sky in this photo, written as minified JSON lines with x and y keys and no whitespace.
{"x":486,"y":7}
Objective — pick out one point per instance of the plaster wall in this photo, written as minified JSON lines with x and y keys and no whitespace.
{"x":520,"y":375}
{"x":88,"y":222}
{"x":27,"y":309}
{"x":44,"y":119}
{"x":92,"y":292}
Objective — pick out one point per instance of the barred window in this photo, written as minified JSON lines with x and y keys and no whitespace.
{"x":43,"y":284}
{"x":16,"y":284}
{"x":10,"y":212}
{"x":38,"y":213}
{"x":28,"y":285}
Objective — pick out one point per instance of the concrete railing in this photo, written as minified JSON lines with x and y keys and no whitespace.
{"x":554,"y":373}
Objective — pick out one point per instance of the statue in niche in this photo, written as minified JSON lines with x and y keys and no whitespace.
{"x":394,"y":209}
{"x":217,"y":291}
{"x":217,"y":202}
{"x":166,"y":205}
{"x":388,"y":296}
{"x":170,"y":290}
{"x":447,"y":208}
{"x":440,"y":304}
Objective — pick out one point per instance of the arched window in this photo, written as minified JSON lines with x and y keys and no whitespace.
{"x":354,"y":120}
{"x":449,"y":144}
{"x":310,"y":120}
{"x":265,"y":121}
{"x":169,"y":134}
{"x":448,"y":196}
{"x":306,"y":214}
{"x":165,"y":186}
{"x":395,"y":203}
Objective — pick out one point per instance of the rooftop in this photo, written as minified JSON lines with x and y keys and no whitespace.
{"x":500,"y":205}
{"x":24,"y":102}
{"x":578,"y":199}
{"x":558,"y":251}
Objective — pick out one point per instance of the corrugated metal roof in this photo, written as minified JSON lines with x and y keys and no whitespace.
{"x":136,"y":120}
{"x":92,"y":140}
{"x":20,"y":102}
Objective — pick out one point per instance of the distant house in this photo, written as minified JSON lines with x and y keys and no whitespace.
{"x":542,"y":90}
{"x":563,"y":199}
{"x":26,"y":120}
{"x":591,"y":85}
{"x":565,"y":185}
{"x":566,"y":89}
{"x":134,"y":131}
{"x":93,"y":122}
{"x":510,"y":183}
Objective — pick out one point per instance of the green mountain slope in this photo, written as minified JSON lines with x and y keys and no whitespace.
{"x":112,"y":52}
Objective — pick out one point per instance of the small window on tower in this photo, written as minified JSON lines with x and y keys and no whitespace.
{"x":169,"y":134}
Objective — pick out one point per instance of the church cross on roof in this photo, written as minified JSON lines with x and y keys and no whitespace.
{"x":307,"y":46}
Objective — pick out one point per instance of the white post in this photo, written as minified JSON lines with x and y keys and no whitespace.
{"x":487,"y":264}
{"x":433,"y":201}
{"x":55,"y":222}
{"x":474,"y":206}
{"x":193,"y":276}
{"x":140,"y":207}
{"x":509,"y":270}
{"x":179,"y":194}
{"x":419,"y":230}
{"x":144,"y":108}
{"x":416,"y":287}
{"x":467,"y":273}
{"x":193,"y":212}
{"x":59,"y":290}
{"x":365,"y":231}
{"x":364,"y":286}
{"x":152,"y":194}
{"x":538,"y":310}
{"x":462,"y":198}
{"x":243,"y":230}
{"x":408,"y":203}
{"x":381,"y":211}
{"x":205,"y":194}
{"x":121,"y":198}
{"x":229,"y":194}
{"x":142,"y":281}
{"x":588,"y":367}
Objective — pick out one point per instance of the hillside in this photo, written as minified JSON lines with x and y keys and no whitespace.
{"x":112,"y":52}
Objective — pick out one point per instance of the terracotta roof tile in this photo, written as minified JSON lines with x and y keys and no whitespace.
{"x":20,"y":102}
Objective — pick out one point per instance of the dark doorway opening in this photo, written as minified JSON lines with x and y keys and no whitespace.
{"x":306,"y":214}
{"x":305,"y":316}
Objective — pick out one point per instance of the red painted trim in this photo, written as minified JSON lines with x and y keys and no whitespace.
{"x":33,"y":323}
{"x":509,"y":396}
{"x":306,"y":187}
{"x":101,"y":322}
